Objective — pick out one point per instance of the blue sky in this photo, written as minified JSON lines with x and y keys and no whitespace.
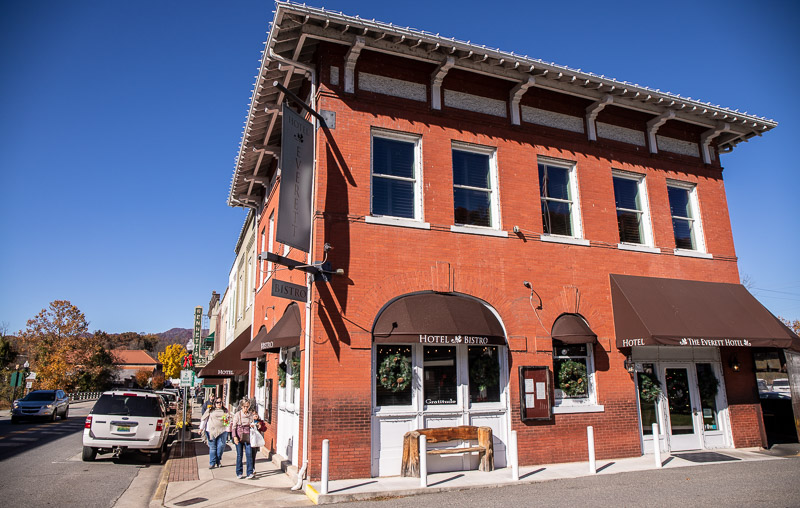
{"x":120,"y":121}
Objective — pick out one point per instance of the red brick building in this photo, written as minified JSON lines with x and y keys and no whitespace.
{"x":492,"y":212}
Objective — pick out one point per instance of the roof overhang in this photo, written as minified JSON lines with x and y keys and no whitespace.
{"x":297,"y":29}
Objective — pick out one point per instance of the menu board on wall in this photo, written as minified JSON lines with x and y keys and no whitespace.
{"x":534,"y":393}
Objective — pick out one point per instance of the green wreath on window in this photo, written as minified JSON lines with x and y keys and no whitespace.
{"x":394,"y":372}
{"x":296,"y":371}
{"x":484,"y":372}
{"x":282,"y":374}
{"x":708,"y":384}
{"x":572,"y":379}
{"x":649,"y":388}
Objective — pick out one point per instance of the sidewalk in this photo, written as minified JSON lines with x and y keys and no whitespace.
{"x":272,"y":487}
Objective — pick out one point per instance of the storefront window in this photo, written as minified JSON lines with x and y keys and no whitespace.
{"x":393,"y":378}
{"x":708,"y":385}
{"x":484,"y":374}
{"x":439,"y":379}
{"x":572,"y":368}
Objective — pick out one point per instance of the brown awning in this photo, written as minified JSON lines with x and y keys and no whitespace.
{"x":650,"y":310}
{"x":285,"y":333}
{"x":573,"y":329}
{"x":227,"y":362}
{"x":252,"y":351}
{"x":437,"y":318}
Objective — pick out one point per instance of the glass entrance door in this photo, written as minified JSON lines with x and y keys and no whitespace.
{"x":681,"y":393}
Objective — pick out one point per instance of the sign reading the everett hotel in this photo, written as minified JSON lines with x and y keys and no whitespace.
{"x":297,"y":171}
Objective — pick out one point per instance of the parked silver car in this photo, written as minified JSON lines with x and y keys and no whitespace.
{"x":41,"y":404}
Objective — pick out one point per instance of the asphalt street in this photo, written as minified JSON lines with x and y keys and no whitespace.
{"x":40,"y":465}
{"x":772,"y":483}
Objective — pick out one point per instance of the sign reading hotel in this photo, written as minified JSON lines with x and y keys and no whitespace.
{"x":687,"y":342}
{"x":297,"y":171}
{"x":288,"y":290}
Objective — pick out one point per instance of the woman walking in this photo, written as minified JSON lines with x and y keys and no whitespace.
{"x":216,"y":419}
{"x":240,"y":427}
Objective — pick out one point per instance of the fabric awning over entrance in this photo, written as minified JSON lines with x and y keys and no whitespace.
{"x":438,"y":318}
{"x":227,"y":362}
{"x":285,"y":333}
{"x":650,"y":311}
{"x":253,"y":350}
{"x":573,"y":329}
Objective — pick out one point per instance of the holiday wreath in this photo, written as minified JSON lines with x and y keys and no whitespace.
{"x":282,"y":374}
{"x":394,"y":372}
{"x":484,"y":372}
{"x":649,"y":389}
{"x":572,"y":379}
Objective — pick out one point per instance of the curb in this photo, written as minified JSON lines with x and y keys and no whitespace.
{"x":163,"y":480}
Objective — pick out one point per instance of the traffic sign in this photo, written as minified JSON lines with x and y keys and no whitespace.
{"x":187,"y":378}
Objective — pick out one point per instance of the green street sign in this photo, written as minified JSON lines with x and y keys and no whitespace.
{"x":17,"y":378}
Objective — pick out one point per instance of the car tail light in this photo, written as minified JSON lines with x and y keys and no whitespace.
{"x":88,"y":423}
{"x":159,"y":425}
{"x":130,"y":394}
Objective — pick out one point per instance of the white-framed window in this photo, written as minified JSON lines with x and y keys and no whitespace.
{"x":262,"y":271}
{"x":573,"y":374}
{"x":475,"y":186}
{"x":270,"y":243}
{"x":448,"y":376}
{"x":250,"y":269}
{"x":685,"y":212}
{"x":396,"y":182}
{"x":633,"y":212}
{"x":558,"y":191}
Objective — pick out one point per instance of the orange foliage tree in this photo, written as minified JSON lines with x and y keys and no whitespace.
{"x":61,"y":350}
{"x":143,"y":377}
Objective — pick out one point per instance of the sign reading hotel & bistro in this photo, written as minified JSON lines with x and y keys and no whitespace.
{"x":458,"y":339}
{"x":688,"y":342}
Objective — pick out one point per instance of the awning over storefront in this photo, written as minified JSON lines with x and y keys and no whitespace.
{"x":227,"y":362}
{"x":285,"y":333}
{"x":437,"y":318}
{"x":573,"y":329}
{"x":253,"y":350}
{"x":650,"y":311}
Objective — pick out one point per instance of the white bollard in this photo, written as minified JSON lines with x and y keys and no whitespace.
{"x":590,"y":437}
{"x":323,"y":481}
{"x":656,"y":445}
{"x":514,"y":453}
{"x":423,"y":461}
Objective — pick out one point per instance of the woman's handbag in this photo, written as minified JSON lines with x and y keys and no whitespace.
{"x":256,"y":439}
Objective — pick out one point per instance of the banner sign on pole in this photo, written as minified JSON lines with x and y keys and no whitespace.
{"x":297,"y":172}
{"x":198,"y":324}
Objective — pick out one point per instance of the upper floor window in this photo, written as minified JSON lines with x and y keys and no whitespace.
{"x":396,"y":182}
{"x":633,"y":218}
{"x":685,"y":217}
{"x":474,"y":186}
{"x":559,"y":197}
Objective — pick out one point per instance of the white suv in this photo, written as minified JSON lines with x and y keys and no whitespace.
{"x":127,"y":420}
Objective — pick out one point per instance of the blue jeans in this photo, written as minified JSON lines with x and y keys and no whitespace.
{"x":215,"y":448}
{"x":248,"y":452}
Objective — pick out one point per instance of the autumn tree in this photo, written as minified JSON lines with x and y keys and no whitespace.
{"x":157,"y":383}
{"x":143,"y":377}
{"x":61,"y":350}
{"x":172,"y":360}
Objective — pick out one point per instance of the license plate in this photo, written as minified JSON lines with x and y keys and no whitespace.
{"x":123,"y":429}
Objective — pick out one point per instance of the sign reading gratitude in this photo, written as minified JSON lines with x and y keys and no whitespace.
{"x":297,"y":171}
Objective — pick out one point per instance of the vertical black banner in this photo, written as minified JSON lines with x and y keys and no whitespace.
{"x":297,"y":171}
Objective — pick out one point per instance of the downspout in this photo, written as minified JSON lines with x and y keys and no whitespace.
{"x":310,"y":280}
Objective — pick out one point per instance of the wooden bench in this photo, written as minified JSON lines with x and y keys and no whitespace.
{"x":485,"y":446}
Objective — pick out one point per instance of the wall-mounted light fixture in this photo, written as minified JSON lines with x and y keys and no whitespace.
{"x":630,"y":365}
{"x":533,"y":291}
{"x":734,"y":364}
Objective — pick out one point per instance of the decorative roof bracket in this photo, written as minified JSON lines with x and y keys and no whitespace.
{"x":653,"y":126}
{"x":708,"y":136}
{"x":591,"y":115}
{"x":350,"y":64}
{"x":516,"y":96}
{"x":262,"y":180}
{"x":436,"y":82}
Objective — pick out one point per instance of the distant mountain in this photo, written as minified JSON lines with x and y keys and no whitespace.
{"x":176,"y":336}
